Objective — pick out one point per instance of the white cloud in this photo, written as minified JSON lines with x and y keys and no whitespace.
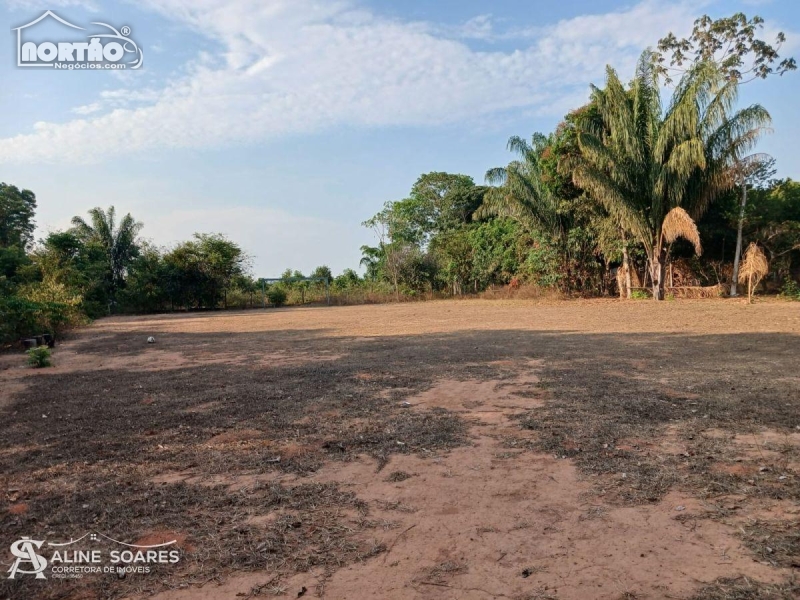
{"x":479,"y":28}
{"x":88,"y":109}
{"x":50,"y":4}
{"x":294,"y":66}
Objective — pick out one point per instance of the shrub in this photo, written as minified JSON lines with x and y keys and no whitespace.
{"x":640,"y":295}
{"x":790,"y":289}
{"x":20,"y":318}
{"x":39,"y":357}
{"x":276,"y":296}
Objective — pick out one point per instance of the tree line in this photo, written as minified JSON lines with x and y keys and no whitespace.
{"x":631,"y":192}
{"x":652,"y":187}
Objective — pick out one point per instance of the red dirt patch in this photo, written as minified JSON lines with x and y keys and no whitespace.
{"x":162,"y":537}
{"x":18,"y":509}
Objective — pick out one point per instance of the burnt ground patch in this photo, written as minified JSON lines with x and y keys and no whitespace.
{"x":82,"y":449}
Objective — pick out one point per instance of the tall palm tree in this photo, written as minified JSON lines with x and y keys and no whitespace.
{"x":519,"y":192}
{"x":656,"y":171}
{"x":117,"y":240}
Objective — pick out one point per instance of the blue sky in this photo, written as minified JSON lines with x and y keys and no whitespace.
{"x":285,"y":123}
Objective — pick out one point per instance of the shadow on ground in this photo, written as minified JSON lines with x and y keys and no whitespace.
{"x":98,"y":450}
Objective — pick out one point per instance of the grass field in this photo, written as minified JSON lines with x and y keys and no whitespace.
{"x":448,"y":449}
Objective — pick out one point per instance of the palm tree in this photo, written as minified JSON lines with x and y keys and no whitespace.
{"x":117,"y":240}
{"x":656,"y":171}
{"x":520,"y":193}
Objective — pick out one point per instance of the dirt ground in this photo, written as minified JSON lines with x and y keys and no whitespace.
{"x":449,"y":449}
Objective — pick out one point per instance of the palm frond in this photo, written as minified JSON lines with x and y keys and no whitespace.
{"x":754,"y":265}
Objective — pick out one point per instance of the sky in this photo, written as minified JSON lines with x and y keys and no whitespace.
{"x":284,"y":124}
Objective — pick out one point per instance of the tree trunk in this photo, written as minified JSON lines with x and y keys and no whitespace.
{"x":738,"y":256}
{"x":626,"y":264}
{"x":658,"y":266}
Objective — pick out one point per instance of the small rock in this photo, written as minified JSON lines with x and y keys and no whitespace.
{"x":151,"y":340}
{"x":681,"y":507}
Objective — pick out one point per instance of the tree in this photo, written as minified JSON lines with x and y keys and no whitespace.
{"x":520,"y":193}
{"x":348,"y":279}
{"x":438,"y":202}
{"x":202,"y":270}
{"x":388,"y":225}
{"x":731,"y":45}
{"x":324,"y":272}
{"x":656,"y":171}
{"x":745,"y":172}
{"x":118,"y":241}
{"x":773,"y":221}
{"x":534,"y":191}
{"x":17,"y":208}
{"x":371,"y":260}
{"x":221,"y":260}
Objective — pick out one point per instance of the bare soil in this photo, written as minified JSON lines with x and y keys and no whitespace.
{"x":448,"y":449}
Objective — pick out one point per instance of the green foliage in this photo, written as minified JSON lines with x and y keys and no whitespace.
{"x":21,"y":318}
{"x":655,"y":170}
{"x":39,"y":357}
{"x":116,"y":241}
{"x":790,"y":289}
{"x":198,"y":273}
{"x":640,"y":295}
{"x":276,"y":296}
{"x":349,"y":279}
{"x":17,"y":208}
{"x":730,"y":43}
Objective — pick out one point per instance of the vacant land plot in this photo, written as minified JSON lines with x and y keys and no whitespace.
{"x":473,"y":449}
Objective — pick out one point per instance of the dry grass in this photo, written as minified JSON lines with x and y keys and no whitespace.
{"x":521,"y":292}
{"x":115,"y":423}
{"x":741,"y":588}
{"x":775,"y":542}
{"x":697,"y":292}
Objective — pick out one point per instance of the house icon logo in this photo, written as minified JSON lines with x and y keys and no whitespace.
{"x":111,"y":48}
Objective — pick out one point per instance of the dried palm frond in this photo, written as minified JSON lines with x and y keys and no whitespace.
{"x":677,"y":224}
{"x":754,"y":268}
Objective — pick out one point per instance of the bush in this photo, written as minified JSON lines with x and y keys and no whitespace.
{"x":39,"y":357}
{"x":640,"y":295}
{"x":790,"y":289}
{"x":276,"y":296}
{"x":21,"y":318}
